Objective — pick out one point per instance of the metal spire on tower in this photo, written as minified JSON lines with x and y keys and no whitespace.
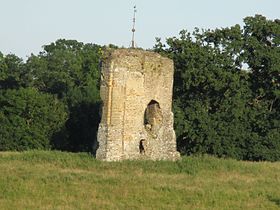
{"x":133,"y":28}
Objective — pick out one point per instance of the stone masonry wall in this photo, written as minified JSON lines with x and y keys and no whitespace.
{"x":137,"y":121}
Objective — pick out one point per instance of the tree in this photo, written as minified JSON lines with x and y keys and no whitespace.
{"x":262,"y":50}
{"x":29,"y":119}
{"x":262,"y":55}
{"x":64,"y":65}
{"x":70,"y":70}
{"x":219,"y":107}
{"x":12,"y":74}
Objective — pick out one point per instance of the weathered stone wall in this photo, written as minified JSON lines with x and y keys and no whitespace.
{"x":137,"y":121}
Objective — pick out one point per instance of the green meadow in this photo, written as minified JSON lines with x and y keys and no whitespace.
{"x":60,"y":180}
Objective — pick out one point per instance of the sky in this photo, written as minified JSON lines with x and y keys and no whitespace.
{"x":27,"y":25}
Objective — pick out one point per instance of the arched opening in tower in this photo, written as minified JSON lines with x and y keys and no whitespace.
{"x":153,"y":117}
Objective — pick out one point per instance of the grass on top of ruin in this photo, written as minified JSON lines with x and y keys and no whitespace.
{"x":60,"y":180}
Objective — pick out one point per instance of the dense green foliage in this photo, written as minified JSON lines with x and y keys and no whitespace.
{"x":29,"y":119}
{"x":221,"y":108}
{"x":226,"y":93}
{"x":69,"y":71}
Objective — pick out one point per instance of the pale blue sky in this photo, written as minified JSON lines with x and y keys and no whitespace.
{"x":26,"y":25}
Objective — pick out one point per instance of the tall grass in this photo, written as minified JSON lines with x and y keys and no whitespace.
{"x":57,"y":180}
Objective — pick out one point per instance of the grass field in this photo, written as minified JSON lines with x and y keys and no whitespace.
{"x":57,"y":180}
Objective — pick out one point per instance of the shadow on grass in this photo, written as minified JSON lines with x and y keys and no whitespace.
{"x":274,"y":200}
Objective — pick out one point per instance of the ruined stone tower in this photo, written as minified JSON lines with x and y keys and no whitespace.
{"x":137,"y":121}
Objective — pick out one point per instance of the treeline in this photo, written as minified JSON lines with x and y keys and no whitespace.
{"x":227,"y":90}
{"x":51,"y":101}
{"x":226,"y":93}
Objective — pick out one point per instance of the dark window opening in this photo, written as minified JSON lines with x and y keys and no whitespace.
{"x":153,"y":116}
{"x":142,"y":146}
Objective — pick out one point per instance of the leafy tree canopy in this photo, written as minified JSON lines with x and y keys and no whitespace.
{"x":220,"y":107}
{"x":29,"y":119}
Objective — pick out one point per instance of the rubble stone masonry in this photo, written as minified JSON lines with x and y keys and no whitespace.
{"x":137,"y":120}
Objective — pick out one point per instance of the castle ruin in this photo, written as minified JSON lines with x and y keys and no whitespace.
{"x":137,"y":120}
